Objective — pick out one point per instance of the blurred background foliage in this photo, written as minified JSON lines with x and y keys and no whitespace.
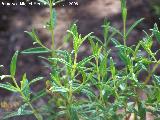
{"x":155,"y":5}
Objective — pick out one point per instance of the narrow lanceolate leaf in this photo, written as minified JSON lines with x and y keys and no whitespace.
{"x":73,"y":113}
{"x":59,"y":89}
{"x":35,"y":38}
{"x":134,"y":25}
{"x":103,"y":66}
{"x":14,"y":114}
{"x":87,"y":36}
{"x":60,"y":60}
{"x":56,"y":80}
{"x":116,"y":31}
{"x":25,"y":87}
{"x":5,"y":76}
{"x":115,"y":42}
{"x":141,"y":111}
{"x":96,"y":39}
{"x":37,"y":50}
{"x":105,"y":26}
{"x":13,"y":64}
{"x":39,"y":94}
{"x":84,"y":61}
{"x":157,"y":79}
{"x":9,"y":87}
{"x":45,"y":2}
{"x":88,"y":92}
{"x":156,"y":32}
{"x":54,"y":18}
{"x":123,"y":4}
{"x":36,"y":80}
{"x":69,"y":35}
{"x":124,"y":10}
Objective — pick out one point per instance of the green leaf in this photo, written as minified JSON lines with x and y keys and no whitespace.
{"x":116,"y":31}
{"x":39,"y":94}
{"x":103,"y":66}
{"x":69,"y":35}
{"x":36,"y":80}
{"x":58,"y":1}
{"x":13,"y":64}
{"x":77,"y":38}
{"x":82,"y":63}
{"x":37,"y":50}
{"x":156,"y":32}
{"x":73,"y":113}
{"x":15,"y":114}
{"x":9,"y":87}
{"x":67,"y":57}
{"x":124,"y":14}
{"x":56,"y":79}
{"x":141,"y":111}
{"x":123,"y":4}
{"x":106,"y":26}
{"x":45,"y":2}
{"x":96,"y":49}
{"x":79,"y":88}
{"x":85,"y":37}
{"x":25,"y":87}
{"x":34,"y":37}
{"x":96,"y":39}
{"x":21,"y":109}
{"x":88,"y":92}
{"x":58,"y":89}
{"x":61,"y":60}
{"x":115,"y":42}
{"x":157,"y":79}
{"x":124,"y":10}
{"x":123,"y":57}
{"x":75,"y":35}
{"x":53,"y":19}
{"x":5,"y":76}
{"x":134,"y":25}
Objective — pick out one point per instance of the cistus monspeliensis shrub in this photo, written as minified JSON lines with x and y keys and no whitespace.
{"x":93,"y":88}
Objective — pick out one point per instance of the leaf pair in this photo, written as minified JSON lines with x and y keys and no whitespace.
{"x":35,"y":38}
{"x":96,"y":49}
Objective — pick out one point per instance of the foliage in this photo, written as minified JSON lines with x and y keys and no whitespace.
{"x":93,"y":88}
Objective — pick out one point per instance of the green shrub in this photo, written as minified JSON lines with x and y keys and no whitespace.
{"x":93,"y":88}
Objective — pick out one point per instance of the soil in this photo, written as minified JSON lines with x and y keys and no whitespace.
{"x":14,"y":20}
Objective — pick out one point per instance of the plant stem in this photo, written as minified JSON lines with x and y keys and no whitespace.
{"x":99,"y":81}
{"x":36,"y":114}
{"x":150,"y":74}
{"x":14,"y":81}
{"x":51,"y":23}
{"x":72,"y":79}
{"x":124,"y":32}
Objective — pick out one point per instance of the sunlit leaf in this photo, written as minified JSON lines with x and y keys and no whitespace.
{"x":9,"y":87}
{"x":13,"y":64}
{"x":37,"y":50}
